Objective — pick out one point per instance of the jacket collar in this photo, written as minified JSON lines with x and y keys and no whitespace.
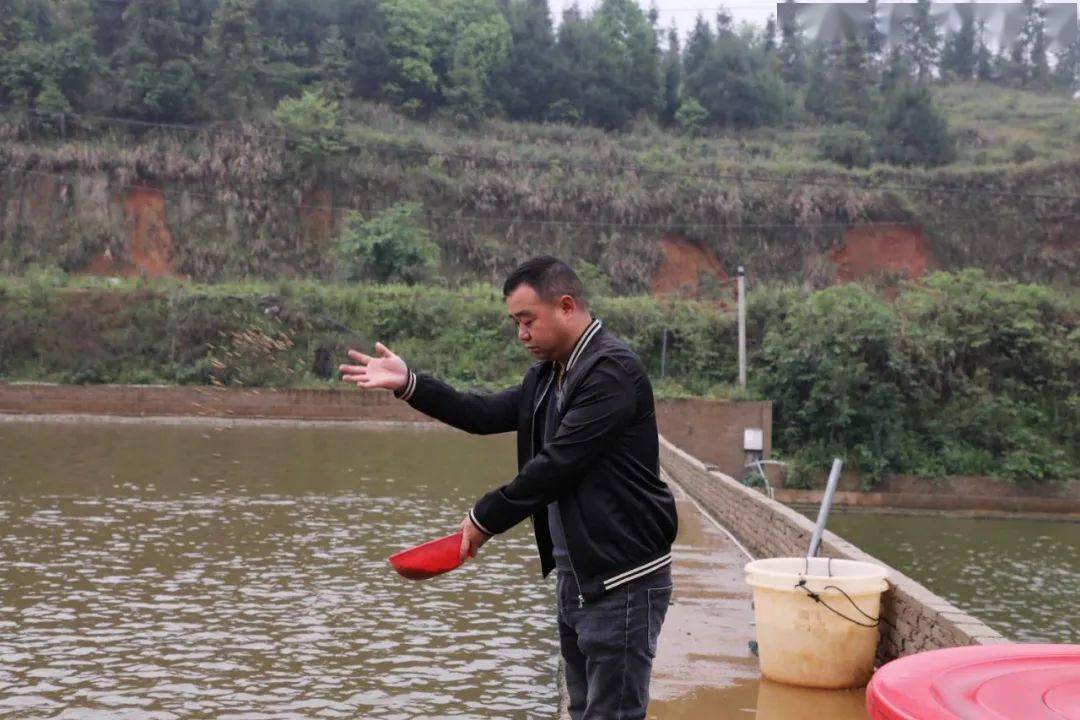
{"x":591,"y":331}
{"x":551,"y":368}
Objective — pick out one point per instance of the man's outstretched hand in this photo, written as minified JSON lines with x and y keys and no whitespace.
{"x":385,"y":371}
{"x":471,"y":539}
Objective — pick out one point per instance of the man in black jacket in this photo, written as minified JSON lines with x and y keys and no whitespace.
{"x":588,"y":476}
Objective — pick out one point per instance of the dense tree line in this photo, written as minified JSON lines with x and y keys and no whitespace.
{"x":199,"y":60}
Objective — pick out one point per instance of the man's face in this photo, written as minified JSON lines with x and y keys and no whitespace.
{"x":542,"y":327}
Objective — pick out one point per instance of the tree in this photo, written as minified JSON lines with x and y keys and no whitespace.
{"x":922,"y":40}
{"x":959,"y":56}
{"x":363,"y":26}
{"x":410,"y":27}
{"x":53,"y":106}
{"x":14,"y":25}
{"x":574,"y":65}
{"x":725,"y":23}
{"x":524,"y":86}
{"x":313,"y":123}
{"x":286,"y":68}
{"x":235,"y":60}
{"x":672,"y":72}
{"x":738,"y":85}
{"x":632,"y":50}
{"x":698,"y":46}
{"x":768,"y":36}
{"x":608,"y":66}
{"x":1030,"y":50}
{"x":854,"y":102}
{"x":897,"y":70}
{"x":911,"y":130}
{"x":38,"y":61}
{"x":874,"y":38}
{"x":984,"y":59}
{"x":474,"y":39}
{"x":153,"y":64}
{"x":840,"y":88}
{"x":792,"y":52}
{"x":818,"y":86}
{"x":334,"y":66}
{"x":1067,"y":70}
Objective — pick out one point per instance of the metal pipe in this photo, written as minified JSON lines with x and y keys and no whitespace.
{"x":741,"y":275}
{"x":663,"y":354}
{"x":826,"y":503}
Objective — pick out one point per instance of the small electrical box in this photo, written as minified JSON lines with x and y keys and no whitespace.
{"x":753,"y":440}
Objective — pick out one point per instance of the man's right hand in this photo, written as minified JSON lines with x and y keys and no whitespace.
{"x":385,"y":371}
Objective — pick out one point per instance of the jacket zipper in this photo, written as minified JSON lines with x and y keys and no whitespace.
{"x":532,"y":454}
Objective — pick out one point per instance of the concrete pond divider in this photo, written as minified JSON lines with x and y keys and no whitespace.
{"x":913,"y":619}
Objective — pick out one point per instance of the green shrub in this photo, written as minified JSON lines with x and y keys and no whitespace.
{"x":846,"y":145}
{"x":314,"y":122}
{"x":391,"y":247}
{"x":691,"y":117}
{"x":1022,"y":152}
{"x":912,"y":131}
{"x":959,"y":374}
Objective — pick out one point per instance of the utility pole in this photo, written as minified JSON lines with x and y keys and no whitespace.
{"x":663,"y":354}
{"x":741,"y":275}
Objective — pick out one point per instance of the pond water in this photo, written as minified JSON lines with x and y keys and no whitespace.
{"x":194,"y":571}
{"x":214,"y":571}
{"x":1020,"y":576}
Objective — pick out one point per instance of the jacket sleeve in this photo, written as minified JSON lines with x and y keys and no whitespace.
{"x":600,"y":410}
{"x":479,"y":413}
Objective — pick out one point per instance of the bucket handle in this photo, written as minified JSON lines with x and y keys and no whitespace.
{"x":828,"y":566}
{"x":816,"y":597}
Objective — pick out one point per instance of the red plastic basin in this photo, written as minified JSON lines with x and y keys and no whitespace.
{"x":429,"y":559}
{"x":995,"y":682}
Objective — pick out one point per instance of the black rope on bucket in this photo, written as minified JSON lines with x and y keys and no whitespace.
{"x":816,"y":597}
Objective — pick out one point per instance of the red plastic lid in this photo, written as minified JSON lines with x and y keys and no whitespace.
{"x":991,"y":682}
{"x":430,"y":559}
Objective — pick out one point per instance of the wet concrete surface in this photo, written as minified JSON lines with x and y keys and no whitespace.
{"x":704,"y":667}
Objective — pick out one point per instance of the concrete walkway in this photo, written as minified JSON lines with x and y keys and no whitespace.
{"x":704,"y":668}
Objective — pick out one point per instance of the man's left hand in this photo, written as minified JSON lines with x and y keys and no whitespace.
{"x":471,"y":539}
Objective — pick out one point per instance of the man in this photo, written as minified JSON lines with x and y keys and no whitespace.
{"x":588,"y":476}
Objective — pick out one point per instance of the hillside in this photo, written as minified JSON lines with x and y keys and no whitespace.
{"x":233,"y":201}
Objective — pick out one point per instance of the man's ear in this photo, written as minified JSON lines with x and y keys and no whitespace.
{"x":567,"y":304}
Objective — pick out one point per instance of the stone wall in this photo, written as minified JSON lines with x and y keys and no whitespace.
{"x":913,"y":618}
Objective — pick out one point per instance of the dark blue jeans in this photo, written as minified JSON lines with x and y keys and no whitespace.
{"x":609,"y":644}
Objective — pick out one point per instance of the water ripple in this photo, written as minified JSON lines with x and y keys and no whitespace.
{"x":260,"y":599}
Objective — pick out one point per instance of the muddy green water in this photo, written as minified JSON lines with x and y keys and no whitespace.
{"x":152,"y":572}
{"x":199,"y":571}
{"x":1020,"y":576}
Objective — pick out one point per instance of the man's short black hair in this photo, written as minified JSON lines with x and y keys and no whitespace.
{"x":550,"y":277}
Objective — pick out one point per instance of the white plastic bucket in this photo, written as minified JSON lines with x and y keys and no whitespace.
{"x":825,"y":643}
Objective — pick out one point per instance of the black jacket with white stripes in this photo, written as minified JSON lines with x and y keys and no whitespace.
{"x":602,"y":463}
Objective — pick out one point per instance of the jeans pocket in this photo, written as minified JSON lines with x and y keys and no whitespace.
{"x":659,"y":599}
